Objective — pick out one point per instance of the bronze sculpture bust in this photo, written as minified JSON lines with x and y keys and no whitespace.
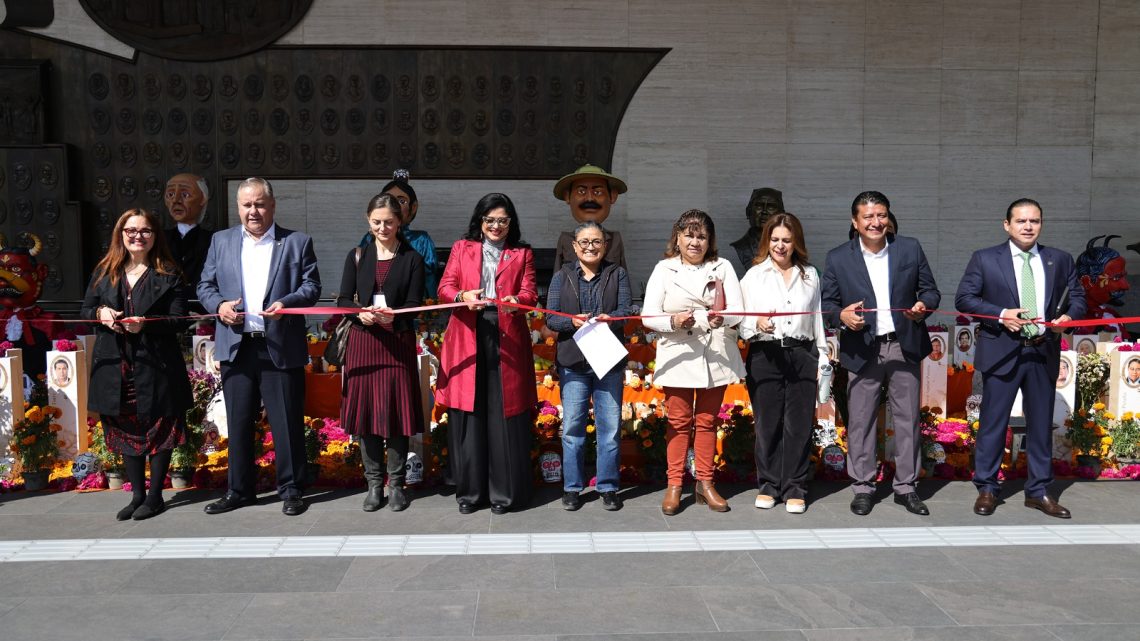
{"x":765,"y":202}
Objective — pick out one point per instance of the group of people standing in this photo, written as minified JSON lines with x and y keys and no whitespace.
{"x":877,"y":288}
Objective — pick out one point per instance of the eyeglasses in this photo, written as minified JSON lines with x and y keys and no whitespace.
{"x":131,"y":232}
{"x":491,"y":221}
{"x":592,"y":243}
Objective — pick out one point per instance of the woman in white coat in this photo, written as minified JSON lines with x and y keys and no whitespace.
{"x":697,"y":356}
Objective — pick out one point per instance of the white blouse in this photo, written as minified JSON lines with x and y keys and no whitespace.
{"x":764,"y":290}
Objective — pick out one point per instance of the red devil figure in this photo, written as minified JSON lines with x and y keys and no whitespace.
{"x":25,"y":324}
{"x":1104,"y":277}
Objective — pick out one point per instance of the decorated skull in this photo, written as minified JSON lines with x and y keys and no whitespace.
{"x":413,"y":469}
{"x":551,"y":465}
{"x":85,"y":465}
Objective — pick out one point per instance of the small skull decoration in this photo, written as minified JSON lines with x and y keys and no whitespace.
{"x":413,"y":469}
{"x":85,"y":465}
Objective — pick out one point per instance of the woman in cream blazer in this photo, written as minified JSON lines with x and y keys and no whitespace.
{"x":697,"y":355}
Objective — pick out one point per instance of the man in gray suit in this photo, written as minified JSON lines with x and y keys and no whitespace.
{"x":252,"y":271}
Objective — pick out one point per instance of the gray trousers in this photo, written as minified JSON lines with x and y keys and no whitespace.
{"x":863,"y":396}
{"x":372,"y":454}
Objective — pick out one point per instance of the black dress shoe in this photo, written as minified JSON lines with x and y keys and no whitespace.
{"x":913,"y":504}
{"x":292,"y":506}
{"x":467,"y":508}
{"x":145,"y":511}
{"x":985,"y":504}
{"x":571,"y":501}
{"x":397,"y":498}
{"x":611,"y":501}
{"x":499,"y":508}
{"x":126,"y":513}
{"x":861,"y":504}
{"x":231,"y":501}
{"x":1048,"y":505}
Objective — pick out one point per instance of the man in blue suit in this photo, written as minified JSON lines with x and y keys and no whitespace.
{"x":878,"y":271}
{"x":252,"y":271}
{"x":1020,"y":282}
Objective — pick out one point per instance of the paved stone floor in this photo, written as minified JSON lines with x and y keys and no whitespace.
{"x":973,"y":590}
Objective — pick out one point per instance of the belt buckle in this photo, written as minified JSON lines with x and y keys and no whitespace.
{"x":255,"y":334}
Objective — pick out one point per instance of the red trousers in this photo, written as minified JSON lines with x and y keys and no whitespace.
{"x":692,"y":420}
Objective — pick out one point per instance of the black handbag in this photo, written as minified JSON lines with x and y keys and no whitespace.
{"x":338,"y":342}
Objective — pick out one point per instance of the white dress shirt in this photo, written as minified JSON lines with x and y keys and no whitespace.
{"x":256,"y":256}
{"x":878,"y":268}
{"x":764,"y":290}
{"x":1038,"y":280}
{"x":185,"y":228}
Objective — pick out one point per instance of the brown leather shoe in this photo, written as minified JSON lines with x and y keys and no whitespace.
{"x":985,"y":504}
{"x":705,"y":493}
{"x":672,"y":501}
{"x":1048,"y":505}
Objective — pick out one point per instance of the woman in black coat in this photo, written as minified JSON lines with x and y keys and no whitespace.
{"x":381,"y":394}
{"x":139,"y":384}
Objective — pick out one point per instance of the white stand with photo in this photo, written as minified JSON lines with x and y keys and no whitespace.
{"x":1123,"y":382}
{"x":199,"y":345}
{"x":67,"y":389}
{"x":11,"y":394}
{"x":965,"y":338}
{"x":933,"y":374}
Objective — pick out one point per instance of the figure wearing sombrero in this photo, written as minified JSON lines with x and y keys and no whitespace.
{"x":590,"y":192}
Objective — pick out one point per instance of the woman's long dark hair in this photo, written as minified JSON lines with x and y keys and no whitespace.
{"x":115,"y":261}
{"x":486,"y":205}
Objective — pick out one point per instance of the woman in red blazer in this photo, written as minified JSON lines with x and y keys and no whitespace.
{"x":487,"y":368}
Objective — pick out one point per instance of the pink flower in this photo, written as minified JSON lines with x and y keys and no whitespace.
{"x":65,"y":345}
{"x":5,"y":346}
{"x":1064,"y":344}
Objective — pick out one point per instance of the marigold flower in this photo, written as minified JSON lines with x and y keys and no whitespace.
{"x":590,"y":428}
{"x":647,"y":444}
{"x":1098,"y":406}
{"x":28,"y":440}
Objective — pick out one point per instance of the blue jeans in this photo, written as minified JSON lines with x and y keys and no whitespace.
{"x":577,"y":388}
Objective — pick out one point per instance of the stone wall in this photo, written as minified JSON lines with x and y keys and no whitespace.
{"x":952,"y":108}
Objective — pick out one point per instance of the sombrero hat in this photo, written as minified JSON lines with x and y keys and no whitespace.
{"x":587,"y":171}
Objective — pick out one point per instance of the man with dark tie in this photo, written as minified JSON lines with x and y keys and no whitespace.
{"x":253,"y":271}
{"x":888,"y":276}
{"x":186,"y":198}
{"x":1020,"y":282}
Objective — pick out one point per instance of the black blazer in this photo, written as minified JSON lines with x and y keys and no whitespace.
{"x":404,"y":286}
{"x":161,"y":384}
{"x":190,"y":252}
{"x":846,"y":281}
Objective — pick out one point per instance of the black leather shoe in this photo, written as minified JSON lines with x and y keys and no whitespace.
{"x":126,"y":513}
{"x":611,"y":501}
{"x":498,"y":508}
{"x":293,"y":506}
{"x":467,"y":508}
{"x":985,"y":504}
{"x":861,"y":504}
{"x":571,"y":501}
{"x":231,"y":501}
{"x":374,"y":498}
{"x":913,"y":504}
{"x":1048,"y":505}
{"x":397,"y":498}
{"x":145,"y":511}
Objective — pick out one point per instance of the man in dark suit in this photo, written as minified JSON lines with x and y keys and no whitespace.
{"x":254,"y":270}
{"x":1020,"y":282}
{"x":186,"y":197}
{"x":864,"y":278}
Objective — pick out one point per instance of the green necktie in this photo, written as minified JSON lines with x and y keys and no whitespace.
{"x":1028,"y":295}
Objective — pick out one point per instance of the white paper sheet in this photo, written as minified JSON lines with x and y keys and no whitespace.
{"x":601,"y":348}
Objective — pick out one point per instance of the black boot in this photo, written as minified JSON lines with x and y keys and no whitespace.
{"x":397,"y":498}
{"x":375,"y":497}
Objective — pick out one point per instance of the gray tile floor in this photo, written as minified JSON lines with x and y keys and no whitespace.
{"x":1050,"y":591}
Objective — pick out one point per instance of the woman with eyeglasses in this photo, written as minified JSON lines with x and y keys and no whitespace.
{"x":139,"y":384}
{"x":380,"y":399}
{"x":589,"y":287}
{"x":486,"y":374}
{"x":697,"y":356}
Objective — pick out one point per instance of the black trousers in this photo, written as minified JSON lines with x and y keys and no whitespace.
{"x":372,"y":453}
{"x":782,"y":387}
{"x":490,"y":453}
{"x":247,"y":381}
